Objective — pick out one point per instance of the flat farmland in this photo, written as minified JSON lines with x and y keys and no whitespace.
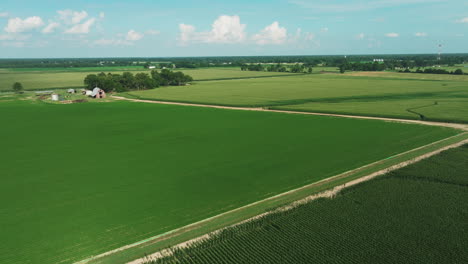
{"x":413,"y":215}
{"x":81,"y":179}
{"x":442,"y":100}
{"x":33,"y":79}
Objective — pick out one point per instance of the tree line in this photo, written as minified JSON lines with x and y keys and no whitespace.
{"x":391,"y":61}
{"x":435,"y":71}
{"x":296,"y":68}
{"x":140,"y":81}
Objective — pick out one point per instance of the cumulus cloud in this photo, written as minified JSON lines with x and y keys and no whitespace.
{"x":15,"y":44}
{"x":4,"y":14}
{"x":102,"y":15}
{"x":72,"y":17}
{"x":225,"y":29}
{"x":50,"y":28}
{"x":132,"y":35}
{"x":16,"y":25}
{"x":17,"y":37}
{"x":152,"y":32}
{"x":420,"y":34}
{"x":272,"y":34}
{"x":463,"y":20}
{"x":83,"y":28}
{"x":360,"y":36}
{"x":392,"y":35}
{"x":112,"y":42}
{"x":325,"y":29}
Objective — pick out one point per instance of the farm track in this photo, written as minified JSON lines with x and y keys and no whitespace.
{"x":329,"y":194}
{"x":430,"y":123}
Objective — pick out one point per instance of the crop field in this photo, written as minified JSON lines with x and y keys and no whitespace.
{"x":414,"y":215}
{"x":332,"y":93}
{"x":34,"y":79}
{"x":82,"y":179}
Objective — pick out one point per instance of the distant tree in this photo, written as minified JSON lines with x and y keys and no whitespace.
{"x":342,"y":68}
{"x":309,"y":70}
{"x":17,"y":87}
{"x":144,"y":81}
{"x":458,"y":72}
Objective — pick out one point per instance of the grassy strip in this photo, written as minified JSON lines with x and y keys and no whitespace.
{"x":235,"y":216}
{"x":45,"y":89}
{"x":426,"y":118}
{"x":253,"y":77}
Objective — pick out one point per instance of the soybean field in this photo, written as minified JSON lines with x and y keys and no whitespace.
{"x":413,"y":215}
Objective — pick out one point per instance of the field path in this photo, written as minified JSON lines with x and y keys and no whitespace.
{"x":430,"y":123}
{"x":331,"y":193}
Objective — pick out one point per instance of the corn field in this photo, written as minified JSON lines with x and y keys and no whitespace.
{"x":414,"y":215}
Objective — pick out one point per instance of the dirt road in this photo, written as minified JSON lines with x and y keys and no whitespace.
{"x":430,"y":123}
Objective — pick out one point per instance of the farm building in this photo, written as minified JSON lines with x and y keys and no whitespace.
{"x":95,"y":93}
{"x":98,"y":93}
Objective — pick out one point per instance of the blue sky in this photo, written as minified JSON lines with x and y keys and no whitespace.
{"x":144,"y":28}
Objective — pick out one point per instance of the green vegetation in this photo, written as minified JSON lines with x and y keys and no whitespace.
{"x":82,"y":179}
{"x":414,"y":215}
{"x":17,"y":87}
{"x":140,"y":81}
{"x":48,"y":79}
{"x":376,"y":95}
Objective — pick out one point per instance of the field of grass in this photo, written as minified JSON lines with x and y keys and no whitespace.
{"x":414,"y":215}
{"x":82,"y":179}
{"x":332,"y":93}
{"x":34,"y":79}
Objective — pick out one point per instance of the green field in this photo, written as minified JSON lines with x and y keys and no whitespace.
{"x":82,"y":179}
{"x":414,"y":215}
{"x":332,"y":93}
{"x":34,"y":79}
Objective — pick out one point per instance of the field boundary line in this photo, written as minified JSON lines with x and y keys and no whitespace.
{"x":330,"y":193}
{"x":260,"y":109}
{"x":271,"y":198}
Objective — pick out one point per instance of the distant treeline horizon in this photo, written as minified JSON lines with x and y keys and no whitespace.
{"x":412,"y":60}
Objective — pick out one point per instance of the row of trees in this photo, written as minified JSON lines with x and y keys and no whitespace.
{"x":435,"y":71}
{"x":296,"y":68}
{"x":140,"y":81}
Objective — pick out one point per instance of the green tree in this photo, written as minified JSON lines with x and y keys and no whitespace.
{"x":458,"y":72}
{"x":342,"y":68}
{"x":17,"y":87}
{"x":309,"y":70}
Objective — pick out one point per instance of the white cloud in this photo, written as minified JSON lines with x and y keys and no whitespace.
{"x":420,"y":34}
{"x":81,"y":28}
{"x":112,"y":42}
{"x":360,"y":36}
{"x":132,"y":35}
{"x":4,"y":14}
{"x":463,"y":20}
{"x":72,"y":17}
{"x":13,"y":36}
{"x":309,"y":36}
{"x":392,"y":35}
{"x":16,"y":44}
{"x":17,"y":24}
{"x":152,"y":32}
{"x":102,"y":15}
{"x":325,"y":29}
{"x":321,"y":6}
{"x":50,"y":28}
{"x":225,"y":29}
{"x":272,"y":34}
